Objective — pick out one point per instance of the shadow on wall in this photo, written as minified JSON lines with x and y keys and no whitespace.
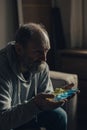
{"x":8,"y":21}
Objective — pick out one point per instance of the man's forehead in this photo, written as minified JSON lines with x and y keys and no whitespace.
{"x":36,"y":46}
{"x":41,"y":40}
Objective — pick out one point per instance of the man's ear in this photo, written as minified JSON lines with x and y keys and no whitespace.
{"x":19,"y":49}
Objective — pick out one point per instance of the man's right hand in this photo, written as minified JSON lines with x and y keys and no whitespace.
{"x":45,"y":102}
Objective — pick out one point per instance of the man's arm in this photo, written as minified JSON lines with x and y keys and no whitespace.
{"x":45,"y":84}
{"x":12,"y":117}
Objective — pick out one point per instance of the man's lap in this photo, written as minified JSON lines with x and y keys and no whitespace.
{"x":47,"y":119}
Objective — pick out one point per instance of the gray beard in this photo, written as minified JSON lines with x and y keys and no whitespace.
{"x":36,"y":68}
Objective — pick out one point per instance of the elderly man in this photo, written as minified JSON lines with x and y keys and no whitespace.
{"x":25,"y":81}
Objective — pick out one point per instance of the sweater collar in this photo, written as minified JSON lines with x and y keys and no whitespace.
{"x":12,"y":58}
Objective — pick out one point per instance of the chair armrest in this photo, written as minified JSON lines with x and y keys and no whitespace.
{"x":60,"y":79}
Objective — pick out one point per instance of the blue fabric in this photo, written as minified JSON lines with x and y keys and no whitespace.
{"x":51,"y":120}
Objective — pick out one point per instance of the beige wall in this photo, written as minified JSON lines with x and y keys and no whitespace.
{"x":8,"y":21}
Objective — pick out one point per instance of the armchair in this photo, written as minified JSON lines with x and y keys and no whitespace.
{"x":60,"y":79}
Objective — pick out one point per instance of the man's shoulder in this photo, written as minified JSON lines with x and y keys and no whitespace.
{"x":3,"y":56}
{"x":46,"y":67}
{"x":4,"y":63}
{"x":45,"y":70}
{"x":5,"y":50}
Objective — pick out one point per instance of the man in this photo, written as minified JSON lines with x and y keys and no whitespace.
{"x":25,"y":81}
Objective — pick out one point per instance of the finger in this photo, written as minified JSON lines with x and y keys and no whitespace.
{"x":45,"y":95}
{"x":69,"y":86}
{"x":50,"y":104}
{"x":61,"y":102}
{"x":68,"y":98}
{"x":78,"y":92}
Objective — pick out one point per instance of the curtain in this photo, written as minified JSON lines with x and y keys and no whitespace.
{"x":76,"y":24}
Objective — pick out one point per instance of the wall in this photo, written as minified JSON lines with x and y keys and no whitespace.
{"x":8,"y":21}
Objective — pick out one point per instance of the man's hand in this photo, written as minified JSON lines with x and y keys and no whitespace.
{"x":45,"y":102}
{"x":70,"y":97}
{"x":69,"y":87}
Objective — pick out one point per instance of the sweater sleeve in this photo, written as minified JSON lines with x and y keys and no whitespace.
{"x":45,"y":83}
{"x":13,"y":117}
